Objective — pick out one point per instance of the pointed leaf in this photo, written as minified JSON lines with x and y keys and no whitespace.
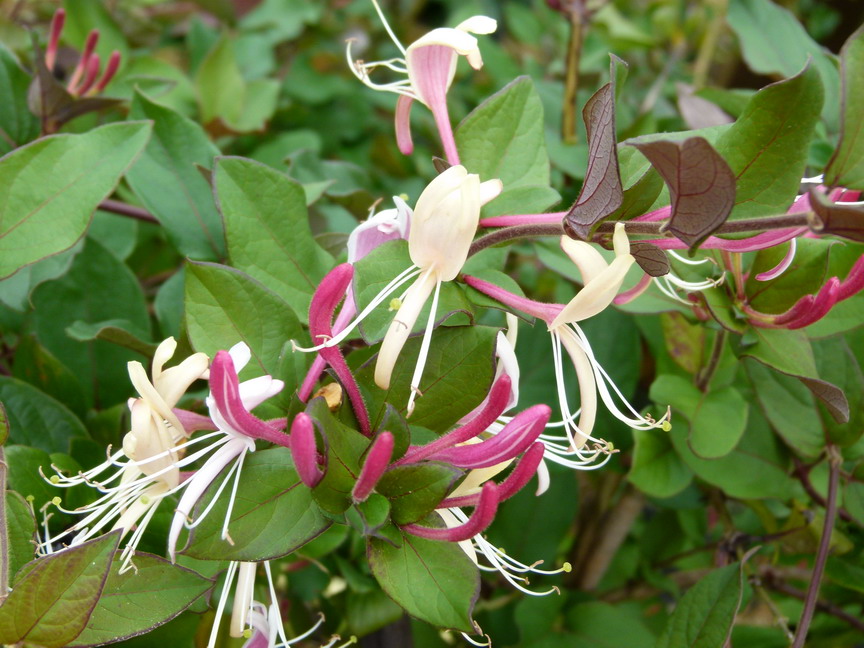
{"x":657,"y":470}
{"x":141,"y":599}
{"x":170,"y":186}
{"x":846,"y":167}
{"x":21,"y":532}
{"x":36,"y":419}
{"x":650,"y":258}
{"x":433,"y":581}
{"x":269,"y":489}
{"x":17,"y":124}
{"x":415,"y":490}
{"x":701,"y":185}
{"x":601,"y":192}
{"x":39,"y":218}
{"x":52,"y":600}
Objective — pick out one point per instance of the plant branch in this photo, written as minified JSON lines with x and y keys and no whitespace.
{"x":773,"y":583}
{"x":571,"y":80}
{"x":709,"y":44}
{"x":703,"y":378}
{"x":802,"y":472}
{"x":130,"y":211}
{"x":834,"y":461}
{"x":656,"y":229}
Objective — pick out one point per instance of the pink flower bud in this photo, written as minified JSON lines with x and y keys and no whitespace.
{"x":377,"y":460}
{"x":304,"y":451}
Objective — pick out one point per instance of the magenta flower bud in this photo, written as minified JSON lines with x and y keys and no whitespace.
{"x":513,"y":440}
{"x":498,"y":396}
{"x":518,"y":478}
{"x":110,"y":70}
{"x":854,"y":281}
{"x":303,"y":450}
{"x":810,"y":308}
{"x":192,"y":421}
{"x":546,"y":312}
{"x":57,"y":22}
{"x":377,"y":460}
{"x":523,"y":219}
{"x":225,"y":389}
{"x":482,"y":517}
{"x":90,"y":73}
{"x":324,"y":302}
{"x":81,"y":68}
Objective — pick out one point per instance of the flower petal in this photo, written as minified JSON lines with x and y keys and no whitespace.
{"x":482,"y":517}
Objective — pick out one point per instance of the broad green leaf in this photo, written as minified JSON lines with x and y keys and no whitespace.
{"x":845,"y":574}
{"x":20,"y":532}
{"x":97,"y":288}
{"x":790,"y":408}
{"x":225,"y":306}
{"x":684,"y":341}
{"x":24,"y":465}
{"x":366,"y":612}
{"x":592,"y":622}
{"x":717,"y":417}
{"x":853,"y":500}
{"x":141,"y":599}
{"x":269,"y":490}
{"x":774,"y":42}
{"x":657,"y":470}
{"x":167,"y":181}
{"x":15,"y":291}
{"x":432,"y":580}
{"x":415,"y":490}
{"x":84,"y":15}
{"x":836,"y":361}
{"x":117,"y":331}
{"x":380,"y":267}
{"x":52,"y":602}
{"x":4,"y":424}
{"x":17,"y":124}
{"x":36,"y":419}
{"x":790,"y":353}
{"x":457,"y":376}
{"x":267,"y":230}
{"x":767,"y":146}
{"x":503,"y":138}
{"x":343,"y":448}
{"x":38,"y":218}
{"x":846,"y":167}
{"x":704,"y":616}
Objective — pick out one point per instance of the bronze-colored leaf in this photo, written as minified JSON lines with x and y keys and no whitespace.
{"x":840,"y":219}
{"x":650,"y":258}
{"x":701,"y":185}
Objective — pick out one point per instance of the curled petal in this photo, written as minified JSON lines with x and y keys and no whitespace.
{"x":513,"y":440}
{"x":403,"y":124}
{"x":482,"y":517}
{"x":854,"y":281}
{"x":781,"y":267}
{"x":597,"y":294}
{"x":225,"y":390}
{"x":810,"y":309}
{"x":377,"y":460}
{"x":478,"y":25}
{"x":521,"y":474}
{"x":387,"y":225}
{"x":304,"y":451}
{"x":110,"y":70}
{"x":498,"y":396}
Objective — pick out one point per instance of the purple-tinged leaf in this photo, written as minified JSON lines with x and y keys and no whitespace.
{"x":701,"y":185}
{"x":650,"y":258}
{"x":840,"y":219}
{"x":53,"y":597}
{"x":138,"y":601}
{"x":846,"y":167}
{"x":602,"y":192}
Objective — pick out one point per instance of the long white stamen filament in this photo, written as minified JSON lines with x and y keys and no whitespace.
{"x":424,"y":349}
{"x":239,"y":465}
{"x":403,"y":277}
{"x":387,"y":27}
{"x":223,"y":599}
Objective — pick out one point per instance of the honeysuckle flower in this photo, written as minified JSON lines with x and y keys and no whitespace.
{"x":377,"y":460}
{"x":304,"y":451}
{"x":85,"y":78}
{"x":229,"y":404}
{"x":387,"y":225}
{"x":148,"y":466}
{"x":429,"y":65}
{"x":261,"y":625}
{"x":601,"y":283}
{"x":442,"y":228}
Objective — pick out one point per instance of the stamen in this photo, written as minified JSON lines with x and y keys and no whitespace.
{"x":424,"y":350}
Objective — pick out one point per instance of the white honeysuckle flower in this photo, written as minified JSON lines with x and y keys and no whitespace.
{"x":429,"y":65}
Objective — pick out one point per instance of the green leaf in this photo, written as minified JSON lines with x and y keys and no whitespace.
{"x":97,"y":288}
{"x":416,"y":490}
{"x":225,"y":306}
{"x":267,"y":229}
{"x":138,"y":601}
{"x":774,"y":42}
{"x":17,"y":124}
{"x":846,"y":167}
{"x":836,"y":361}
{"x":39,"y":218}
{"x":657,"y":469}
{"x":853,"y":500}
{"x":20,"y":532}
{"x":167,"y":181}
{"x":789,"y":407}
{"x":789,"y":352}
{"x":84,"y":15}
{"x":767,"y":146}
{"x":117,"y":331}
{"x":704,"y":616}
{"x":269,"y":490}
{"x":433,"y":581}
{"x":377,"y":269}
{"x":845,"y":574}
{"x":24,"y":463}
{"x":15,"y":291}
{"x":4,"y":424}
{"x":52,"y":602}
{"x":35,"y":419}
{"x":503,"y":138}
{"x":458,"y":373}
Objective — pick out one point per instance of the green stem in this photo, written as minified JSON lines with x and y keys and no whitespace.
{"x":709,"y":44}
{"x":4,"y":531}
{"x":834,"y":461}
{"x":703,"y":378}
{"x":571,"y":80}
{"x":130,"y":211}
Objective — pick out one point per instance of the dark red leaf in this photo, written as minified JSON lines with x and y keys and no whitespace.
{"x":650,"y":258}
{"x":701,"y":185}
{"x":841,"y":219}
